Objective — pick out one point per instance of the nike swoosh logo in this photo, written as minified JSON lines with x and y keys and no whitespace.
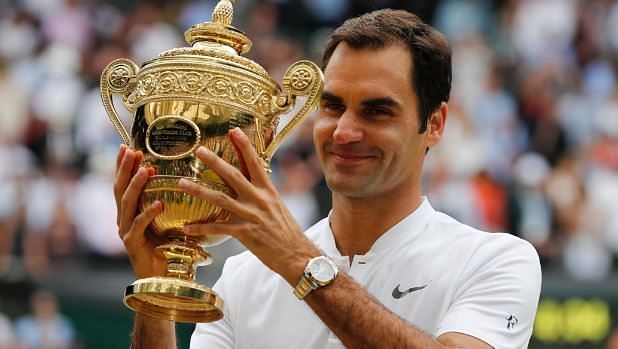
{"x":398,"y":294}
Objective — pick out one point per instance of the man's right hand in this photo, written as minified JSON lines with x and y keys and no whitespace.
{"x":139,"y":241}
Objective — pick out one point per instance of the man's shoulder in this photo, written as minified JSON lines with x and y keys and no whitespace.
{"x":479,"y":243}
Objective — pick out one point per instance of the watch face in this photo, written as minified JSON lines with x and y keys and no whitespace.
{"x":322,"y":270}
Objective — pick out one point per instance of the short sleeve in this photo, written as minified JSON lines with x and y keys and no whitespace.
{"x":217,"y":334}
{"x":498,"y":294}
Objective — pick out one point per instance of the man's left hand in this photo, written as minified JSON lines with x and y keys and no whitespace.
{"x":261,"y":221}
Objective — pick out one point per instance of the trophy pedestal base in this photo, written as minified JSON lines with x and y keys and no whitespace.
{"x":174,"y":299}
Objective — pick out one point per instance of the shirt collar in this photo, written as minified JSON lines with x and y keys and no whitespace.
{"x":408,"y":228}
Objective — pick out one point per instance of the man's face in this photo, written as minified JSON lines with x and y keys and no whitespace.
{"x":366,"y":130}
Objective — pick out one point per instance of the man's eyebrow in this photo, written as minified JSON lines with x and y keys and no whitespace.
{"x":327,"y":96}
{"x":381,"y":102}
{"x":374,"y":102}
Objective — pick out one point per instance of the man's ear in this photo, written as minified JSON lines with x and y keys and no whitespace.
{"x":436,"y":124}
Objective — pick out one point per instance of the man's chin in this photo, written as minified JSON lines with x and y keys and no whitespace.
{"x":349,"y":187}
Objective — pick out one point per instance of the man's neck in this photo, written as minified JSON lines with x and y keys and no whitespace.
{"x":358,"y":223}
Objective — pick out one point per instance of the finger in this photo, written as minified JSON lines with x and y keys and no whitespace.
{"x":228,"y":173}
{"x":130,"y":199}
{"x":241,"y":158}
{"x":137,"y":232}
{"x":121,"y":151}
{"x":254,"y":164}
{"x":218,"y":198}
{"x":203,"y":230}
{"x":123,"y":176}
{"x":139,"y":157}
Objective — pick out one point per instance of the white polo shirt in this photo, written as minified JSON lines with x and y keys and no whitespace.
{"x":436,"y":273}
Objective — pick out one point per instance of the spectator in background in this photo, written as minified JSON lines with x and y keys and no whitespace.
{"x":530,"y":210}
{"x":49,"y":232}
{"x":45,"y":327}
{"x":8,"y":340}
{"x":92,"y":198}
{"x":9,"y":217}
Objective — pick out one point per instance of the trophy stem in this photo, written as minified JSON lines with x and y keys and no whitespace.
{"x":183,"y":256}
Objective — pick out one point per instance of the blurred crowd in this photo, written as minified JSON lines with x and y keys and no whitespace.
{"x":531,"y":145}
{"x":44,"y":327}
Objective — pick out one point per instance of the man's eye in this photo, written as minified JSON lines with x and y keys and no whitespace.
{"x":377,"y":112}
{"x":333,"y":107}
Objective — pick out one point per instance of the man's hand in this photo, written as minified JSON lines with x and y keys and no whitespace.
{"x":261,"y":222}
{"x":132,"y":227}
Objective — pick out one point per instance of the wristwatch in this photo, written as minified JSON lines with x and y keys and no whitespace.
{"x":319,"y":272}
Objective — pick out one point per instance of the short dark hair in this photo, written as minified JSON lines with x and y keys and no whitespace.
{"x":430,"y":51}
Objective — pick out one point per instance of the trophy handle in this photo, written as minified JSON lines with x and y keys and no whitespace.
{"x":303,"y":78}
{"x":117,"y":77}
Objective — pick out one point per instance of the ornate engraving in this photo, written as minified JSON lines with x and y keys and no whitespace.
{"x":245,"y":92}
{"x":220,"y":87}
{"x":193,"y":82}
{"x":211,"y":84}
{"x":145,"y":85}
{"x":119,"y":76}
{"x":301,"y":78}
{"x":167,"y":82}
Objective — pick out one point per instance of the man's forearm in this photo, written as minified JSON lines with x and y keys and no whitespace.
{"x":149,"y":332}
{"x":362,"y":322}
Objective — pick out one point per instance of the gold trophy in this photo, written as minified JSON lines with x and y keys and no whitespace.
{"x":185,"y":98}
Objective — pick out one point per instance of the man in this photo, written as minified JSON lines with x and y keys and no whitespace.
{"x":399,"y":274}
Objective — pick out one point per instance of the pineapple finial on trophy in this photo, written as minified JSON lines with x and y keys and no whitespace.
{"x":219,"y":32}
{"x":223,"y":13}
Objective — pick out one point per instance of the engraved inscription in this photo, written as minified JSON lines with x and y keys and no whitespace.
{"x":172,"y":137}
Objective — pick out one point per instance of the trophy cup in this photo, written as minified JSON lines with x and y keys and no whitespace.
{"x":184,"y":98}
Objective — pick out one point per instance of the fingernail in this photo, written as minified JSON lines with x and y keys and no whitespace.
{"x":204,"y":152}
{"x":183,"y":183}
{"x":187,"y":229}
{"x":143,"y":173}
{"x":157,"y":205}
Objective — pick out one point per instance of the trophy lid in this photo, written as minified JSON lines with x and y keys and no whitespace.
{"x":218,"y":39}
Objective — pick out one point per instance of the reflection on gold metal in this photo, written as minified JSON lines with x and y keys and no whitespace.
{"x":188,"y":97}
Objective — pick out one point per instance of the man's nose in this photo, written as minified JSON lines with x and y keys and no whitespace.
{"x":348,"y":129}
